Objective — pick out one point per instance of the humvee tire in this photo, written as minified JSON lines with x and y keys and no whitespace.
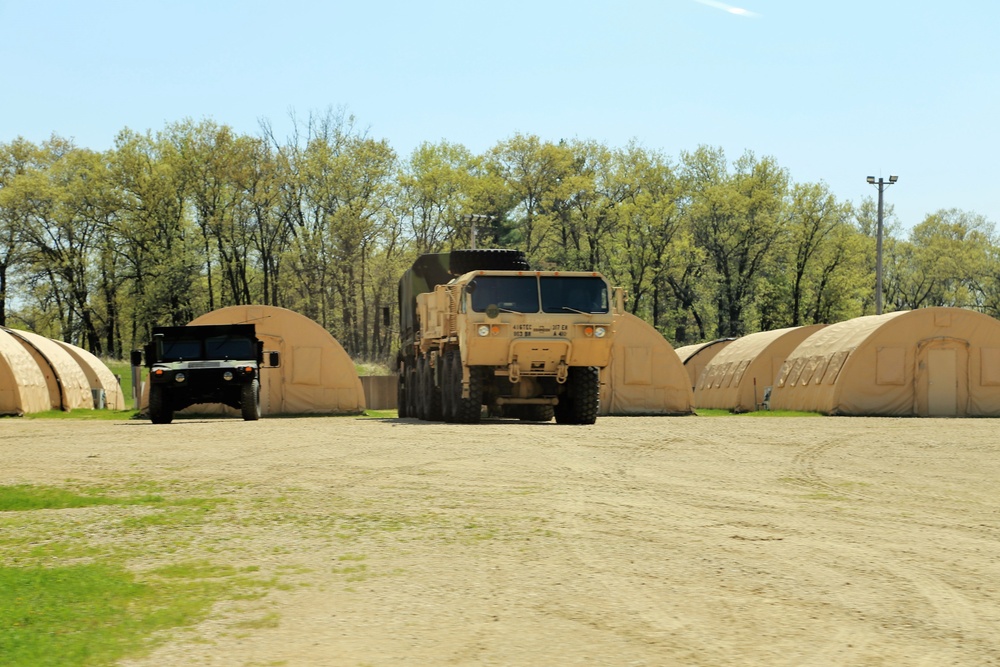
{"x":160,"y":411}
{"x":250,"y":401}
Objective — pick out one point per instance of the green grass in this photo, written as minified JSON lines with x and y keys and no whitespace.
{"x":84,"y":413}
{"x":371,"y":368}
{"x":381,"y":414}
{"x":123,"y":370}
{"x":68,"y":596}
{"x":25,"y":497}
{"x":88,"y":614}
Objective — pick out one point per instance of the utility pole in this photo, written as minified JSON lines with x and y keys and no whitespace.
{"x":881,"y":184}
{"x":474,"y":218}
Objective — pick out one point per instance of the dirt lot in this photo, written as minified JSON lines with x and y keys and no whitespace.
{"x":639,"y":541}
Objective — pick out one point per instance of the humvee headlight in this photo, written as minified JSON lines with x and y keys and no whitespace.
{"x":227,"y":376}
{"x":484,"y":330}
{"x":600,"y":332}
{"x":179,"y":377}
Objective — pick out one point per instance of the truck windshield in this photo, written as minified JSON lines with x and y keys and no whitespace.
{"x":516,"y":293}
{"x":227,"y":347}
{"x":585,"y":294}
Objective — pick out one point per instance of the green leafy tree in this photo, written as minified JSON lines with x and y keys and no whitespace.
{"x":153,"y":235}
{"x":946,"y":257}
{"x":435,"y":187}
{"x":16,"y":159}
{"x":736,"y":219}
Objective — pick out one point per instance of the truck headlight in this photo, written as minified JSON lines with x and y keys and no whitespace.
{"x":227,"y":376}
{"x":600,"y":332}
{"x":179,"y":377}
{"x":484,"y":330}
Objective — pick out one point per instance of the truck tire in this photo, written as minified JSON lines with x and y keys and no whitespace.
{"x":580,"y":403}
{"x":487,"y":259}
{"x":160,"y":411}
{"x":401,"y":394}
{"x":411,"y":391}
{"x":536,"y":413}
{"x":421,"y":384}
{"x":431,"y":394}
{"x":250,"y":401}
{"x":447,"y":387}
{"x":468,"y":410}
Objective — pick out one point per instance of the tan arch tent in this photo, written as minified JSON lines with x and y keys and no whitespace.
{"x":645,"y":377}
{"x":99,"y":376}
{"x":738,"y":377}
{"x":926,"y":362}
{"x":67,"y":384}
{"x":22,"y":385}
{"x":696,"y":357}
{"x":316,"y":376}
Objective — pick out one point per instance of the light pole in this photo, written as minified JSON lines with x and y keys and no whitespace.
{"x":881,"y":184}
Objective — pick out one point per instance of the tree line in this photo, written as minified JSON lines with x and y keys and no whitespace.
{"x":96,"y":248}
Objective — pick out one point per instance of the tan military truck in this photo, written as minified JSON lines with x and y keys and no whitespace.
{"x":479,"y":328}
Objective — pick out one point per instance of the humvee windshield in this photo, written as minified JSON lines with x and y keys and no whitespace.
{"x":215,"y":347}
{"x":559,"y":294}
{"x":181,"y":350}
{"x":226,"y":347}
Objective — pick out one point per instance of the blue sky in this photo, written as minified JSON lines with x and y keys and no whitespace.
{"x":834,"y":91}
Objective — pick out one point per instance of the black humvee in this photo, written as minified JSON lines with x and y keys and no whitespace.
{"x":216,"y":363}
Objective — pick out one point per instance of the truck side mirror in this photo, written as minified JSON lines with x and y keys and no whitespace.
{"x":136,"y":358}
{"x":619,"y":300}
{"x":273,"y":359}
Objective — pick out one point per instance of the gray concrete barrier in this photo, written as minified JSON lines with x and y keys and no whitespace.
{"x":380,"y":391}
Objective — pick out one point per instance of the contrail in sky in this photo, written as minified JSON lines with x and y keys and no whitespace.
{"x":739,"y":11}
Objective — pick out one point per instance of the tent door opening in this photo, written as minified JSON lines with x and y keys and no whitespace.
{"x":942,"y":383}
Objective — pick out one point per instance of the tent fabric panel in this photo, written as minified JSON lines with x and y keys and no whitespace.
{"x":23,"y":389}
{"x":696,"y":357}
{"x":878,"y":364}
{"x":68,"y":385}
{"x":99,"y":376}
{"x":989,"y":367}
{"x":307,"y":365}
{"x":645,"y":375}
{"x":756,"y":363}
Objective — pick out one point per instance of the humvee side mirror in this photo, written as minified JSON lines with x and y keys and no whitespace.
{"x":619,"y":300}
{"x":273,"y":359}
{"x":136,"y":358}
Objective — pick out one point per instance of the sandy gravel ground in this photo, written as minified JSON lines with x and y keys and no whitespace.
{"x":638,"y":541}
